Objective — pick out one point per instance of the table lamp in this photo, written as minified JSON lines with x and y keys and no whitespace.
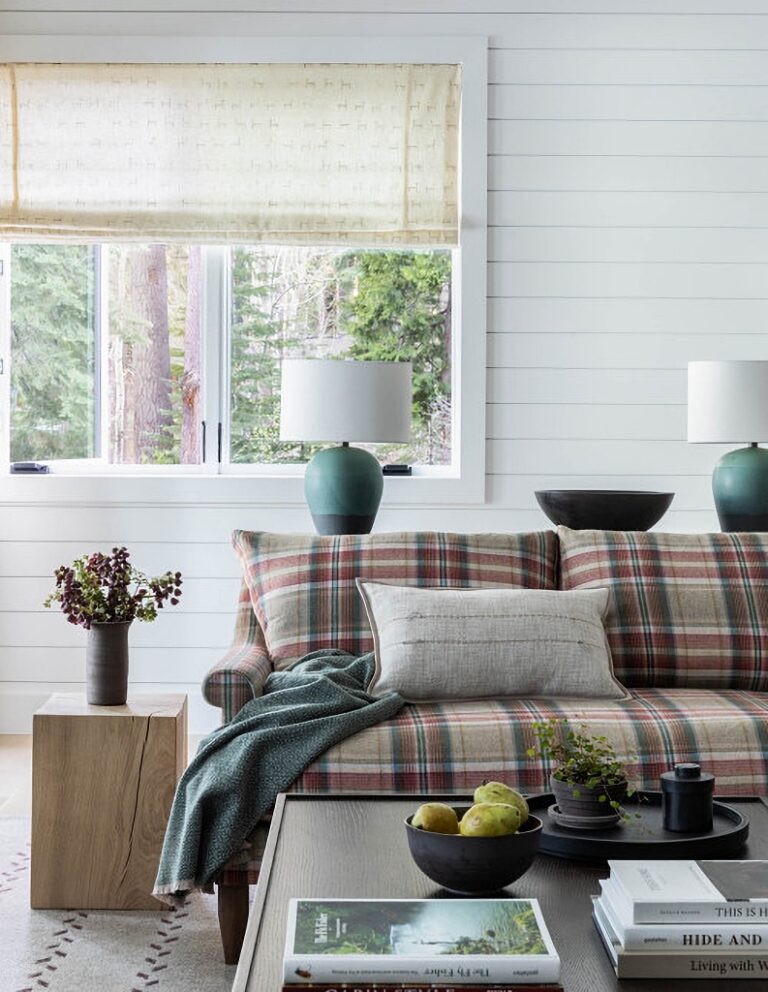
{"x":334,"y":400}
{"x":728,"y":401}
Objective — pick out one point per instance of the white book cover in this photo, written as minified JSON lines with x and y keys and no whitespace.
{"x":461,"y":941}
{"x":735,"y":936}
{"x":680,"y":891}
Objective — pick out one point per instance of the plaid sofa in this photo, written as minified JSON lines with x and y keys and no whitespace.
{"x":687,"y":625}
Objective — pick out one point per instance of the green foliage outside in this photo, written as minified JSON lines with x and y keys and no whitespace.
{"x":286,"y":302}
{"x":52,"y":373}
{"x":402,"y":312}
{"x":326,"y":303}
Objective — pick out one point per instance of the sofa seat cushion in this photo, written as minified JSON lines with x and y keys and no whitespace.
{"x":685,"y":609}
{"x":452,"y":747}
{"x":303,"y":591}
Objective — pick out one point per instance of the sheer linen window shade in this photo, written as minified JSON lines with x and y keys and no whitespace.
{"x":214,"y":153}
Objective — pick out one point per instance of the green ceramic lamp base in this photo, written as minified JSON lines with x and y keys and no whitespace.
{"x":343,"y":488}
{"x":740,"y":488}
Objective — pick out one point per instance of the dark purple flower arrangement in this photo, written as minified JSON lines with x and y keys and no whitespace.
{"x":101,"y":588}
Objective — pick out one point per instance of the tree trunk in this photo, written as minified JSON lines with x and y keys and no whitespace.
{"x":190,"y":384}
{"x":152,"y":357}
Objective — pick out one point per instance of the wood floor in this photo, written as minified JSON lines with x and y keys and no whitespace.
{"x":16,"y":772}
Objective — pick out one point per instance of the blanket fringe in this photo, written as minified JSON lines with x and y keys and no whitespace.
{"x":176,"y":893}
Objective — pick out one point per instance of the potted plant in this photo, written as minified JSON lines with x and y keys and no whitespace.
{"x":105,"y":593}
{"x":589,"y":780}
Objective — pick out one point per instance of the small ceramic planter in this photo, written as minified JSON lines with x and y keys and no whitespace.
{"x":106,"y":664}
{"x":588,"y":803}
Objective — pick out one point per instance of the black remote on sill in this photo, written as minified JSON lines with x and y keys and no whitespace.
{"x":28,"y":468}
{"x":397,"y":470}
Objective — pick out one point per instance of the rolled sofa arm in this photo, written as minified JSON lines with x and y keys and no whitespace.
{"x":240,"y":675}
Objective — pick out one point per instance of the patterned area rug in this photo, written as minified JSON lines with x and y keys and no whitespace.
{"x":99,"y":951}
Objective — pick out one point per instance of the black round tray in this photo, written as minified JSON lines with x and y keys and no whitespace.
{"x":643,"y":838}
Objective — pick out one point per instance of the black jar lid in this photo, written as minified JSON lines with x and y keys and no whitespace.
{"x":687,"y":773}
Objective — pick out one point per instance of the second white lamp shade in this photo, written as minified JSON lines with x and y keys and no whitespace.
{"x":728,"y":402}
{"x":334,"y":400}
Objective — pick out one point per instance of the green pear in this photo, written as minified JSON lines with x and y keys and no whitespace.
{"x":490,"y":820}
{"x":437,"y":818}
{"x":497,"y":792}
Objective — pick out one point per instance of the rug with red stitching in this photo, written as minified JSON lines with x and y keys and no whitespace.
{"x":174,"y":950}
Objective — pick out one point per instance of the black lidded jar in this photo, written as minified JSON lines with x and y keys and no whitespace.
{"x":686,"y":799}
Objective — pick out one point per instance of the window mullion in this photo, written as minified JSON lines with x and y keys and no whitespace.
{"x":101,"y":322}
{"x":214,"y":345}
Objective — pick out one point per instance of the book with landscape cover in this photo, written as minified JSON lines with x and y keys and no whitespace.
{"x":728,"y":965}
{"x":441,"y":942}
{"x":681,"y":891}
{"x":728,"y":935}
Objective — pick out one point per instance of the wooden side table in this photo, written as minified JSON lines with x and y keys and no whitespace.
{"x":103,"y":779}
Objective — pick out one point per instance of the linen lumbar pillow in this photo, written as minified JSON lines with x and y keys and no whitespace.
{"x":434,"y":644}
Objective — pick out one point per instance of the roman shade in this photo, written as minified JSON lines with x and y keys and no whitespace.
{"x":279,"y":152}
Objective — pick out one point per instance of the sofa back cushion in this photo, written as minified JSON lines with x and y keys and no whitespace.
{"x":685,"y":609}
{"x":302,"y":586}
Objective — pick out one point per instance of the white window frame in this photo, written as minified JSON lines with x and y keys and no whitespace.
{"x":464,"y":480}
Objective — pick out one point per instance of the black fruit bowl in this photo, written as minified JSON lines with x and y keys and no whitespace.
{"x":604,"y":509}
{"x":474,"y":865}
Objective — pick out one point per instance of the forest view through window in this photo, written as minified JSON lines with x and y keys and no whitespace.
{"x":108,"y":346}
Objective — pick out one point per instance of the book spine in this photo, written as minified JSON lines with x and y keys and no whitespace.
{"x":423,"y":988}
{"x":347,"y":970}
{"x":734,"y":913}
{"x":696,"y":940}
{"x":731,"y":967}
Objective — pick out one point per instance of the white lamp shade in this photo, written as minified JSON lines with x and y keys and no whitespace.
{"x":332,"y":400}
{"x":728,"y":402}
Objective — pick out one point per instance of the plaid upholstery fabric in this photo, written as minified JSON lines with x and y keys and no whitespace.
{"x":303,"y":586}
{"x":685,"y":609}
{"x":242,"y":672}
{"x":450,"y":747}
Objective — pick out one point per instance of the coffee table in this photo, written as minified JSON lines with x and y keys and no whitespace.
{"x":355,"y":846}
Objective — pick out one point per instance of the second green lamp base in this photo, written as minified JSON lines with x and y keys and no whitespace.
{"x":740,"y":488}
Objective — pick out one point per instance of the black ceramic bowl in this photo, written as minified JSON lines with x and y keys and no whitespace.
{"x":604,"y":509}
{"x":474,"y":865}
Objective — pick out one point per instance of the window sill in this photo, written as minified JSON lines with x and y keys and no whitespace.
{"x":255,"y":489}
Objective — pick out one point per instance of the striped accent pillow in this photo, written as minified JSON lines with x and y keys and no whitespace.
{"x":302,"y":586}
{"x":685,"y":609}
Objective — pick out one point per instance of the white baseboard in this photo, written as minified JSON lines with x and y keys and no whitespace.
{"x":20,"y":700}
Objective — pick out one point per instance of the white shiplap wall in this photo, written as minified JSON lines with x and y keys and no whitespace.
{"x":628,"y":207}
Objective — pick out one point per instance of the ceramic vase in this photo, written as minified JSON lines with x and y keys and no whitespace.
{"x":106,"y":663}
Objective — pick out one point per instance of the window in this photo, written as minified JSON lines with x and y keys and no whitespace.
{"x":163,"y":355}
{"x":107,"y":346}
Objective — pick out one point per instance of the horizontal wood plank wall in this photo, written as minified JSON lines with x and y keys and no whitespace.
{"x":628,"y":206}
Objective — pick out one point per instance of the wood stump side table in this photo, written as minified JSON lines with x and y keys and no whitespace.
{"x":103,"y":780}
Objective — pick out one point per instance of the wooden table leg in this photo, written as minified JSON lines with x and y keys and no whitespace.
{"x":233,"y":917}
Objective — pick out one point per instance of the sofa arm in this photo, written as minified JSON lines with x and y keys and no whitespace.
{"x":240,"y":675}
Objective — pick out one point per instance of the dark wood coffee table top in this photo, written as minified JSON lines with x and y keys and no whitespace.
{"x":355,"y":846}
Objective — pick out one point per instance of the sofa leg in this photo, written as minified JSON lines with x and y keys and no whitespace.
{"x":233,"y":917}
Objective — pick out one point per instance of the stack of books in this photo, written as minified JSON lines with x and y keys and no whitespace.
{"x":685,"y":919}
{"x":442,"y":945}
